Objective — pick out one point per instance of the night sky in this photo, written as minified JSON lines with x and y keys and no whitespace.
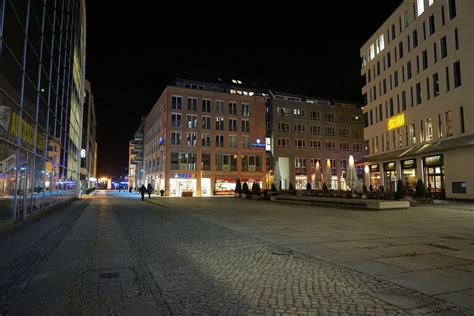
{"x":133,"y":52}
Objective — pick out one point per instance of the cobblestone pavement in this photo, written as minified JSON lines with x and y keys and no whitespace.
{"x":205,"y":268}
{"x":142,"y":258}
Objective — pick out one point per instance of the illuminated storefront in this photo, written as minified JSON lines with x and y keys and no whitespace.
{"x":433,"y":169}
{"x":408,"y":168}
{"x":182,"y":182}
{"x":39,"y":147}
{"x":225,"y":186}
{"x":390,"y":176}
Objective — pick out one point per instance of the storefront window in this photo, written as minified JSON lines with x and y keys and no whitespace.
{"x":374,"y":176}
{"x":225,"y":186}
{"x":433,"y":167}
{"x":390,"y":174}
{"x":300,"y":182}
{"x":409,"y":173}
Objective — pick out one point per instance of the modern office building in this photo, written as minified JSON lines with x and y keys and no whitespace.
{"x":419,"y":70}
{"x":42,"y":65}
{"x":306,"y":131}
{"x":135,"y":157}
{"x":201,"y":137}
{"x":89,"y":144}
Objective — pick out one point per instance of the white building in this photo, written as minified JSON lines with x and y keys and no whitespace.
{"x":418,"y":69}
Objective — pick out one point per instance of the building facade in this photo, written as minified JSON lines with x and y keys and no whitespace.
{"x":89,"y":144}
{"x":201,"y":137}
{"x":306,"y":132}
{"x":42,"y":66}
{"x":135,"y":157}
{"x":418,"y":69}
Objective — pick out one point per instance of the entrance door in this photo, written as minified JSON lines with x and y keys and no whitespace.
{"x":435,"y":181}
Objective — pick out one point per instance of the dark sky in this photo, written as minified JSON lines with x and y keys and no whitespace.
{"x":133,"y":52}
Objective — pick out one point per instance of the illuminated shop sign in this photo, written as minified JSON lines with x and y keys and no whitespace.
{"x":268,"y":144}
{"x":434,"y":161}
{"x":83,"y":153}
{"x":258,"y":144}
{"x":374,"y":168}
{"x":409,"y":164}
{"x":396,"y":121}
{"x":389,"y":166}
{"x":161,"y":141}
{"x":183,"y":175}
{"x":27,"y":131}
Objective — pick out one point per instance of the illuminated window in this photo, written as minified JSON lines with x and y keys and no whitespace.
{"x":420,"y":7}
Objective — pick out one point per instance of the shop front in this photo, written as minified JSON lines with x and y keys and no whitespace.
{"x":409,"y":175}
{"x":182,"y":182}
{"x":374,"y":176}
{"x":225,"y":186}
{"x":390,"y":176}
{"x":300,"y":182}
{"x":433,"y":169}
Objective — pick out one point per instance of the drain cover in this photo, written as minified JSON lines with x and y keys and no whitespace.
{"x":108,"y":275}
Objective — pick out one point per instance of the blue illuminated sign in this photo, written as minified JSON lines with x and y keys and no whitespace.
{"x":183,"y":175}
{"x":258,"y":145}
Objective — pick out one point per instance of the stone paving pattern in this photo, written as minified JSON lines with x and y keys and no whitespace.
{"x":177,"y":257}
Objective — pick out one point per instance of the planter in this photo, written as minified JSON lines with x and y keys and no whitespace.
{"x":255,"y":197}
{"x":243,"y":195}
{"x":187,"y":194}
{"x":237,"y":195}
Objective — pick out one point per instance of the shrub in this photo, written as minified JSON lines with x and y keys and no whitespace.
{"x":238,"y":187}
{"x":256,"y":189}
{"x":401,"y":190}
{"x":325,"y":188}
{"x":245,"y":188}
{"x":291,"y":187}
{"x":420,"y":189}
{"x":273,"y":187}
{"x":308,"y":186}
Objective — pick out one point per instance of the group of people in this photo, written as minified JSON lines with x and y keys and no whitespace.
{"x":143,"y":190}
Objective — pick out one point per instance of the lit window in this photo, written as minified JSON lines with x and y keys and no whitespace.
{"x":420,"y":7}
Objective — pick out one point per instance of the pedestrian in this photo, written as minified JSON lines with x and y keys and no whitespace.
{"x":142,"y":191}
{"x":149,"y":190}
{"x":130,"y":189}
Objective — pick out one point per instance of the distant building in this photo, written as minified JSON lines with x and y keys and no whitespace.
{"x":418,"y":69}
{"x":306,"y":131}
{"x":89,"y":144}
{"x":135,"y":157}
{"x":42,"y":67}
{"x":201,"y":137}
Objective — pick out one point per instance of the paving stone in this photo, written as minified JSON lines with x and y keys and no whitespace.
{"x":463,"y":298}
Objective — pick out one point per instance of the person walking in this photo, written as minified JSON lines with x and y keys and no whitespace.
{"x":142,"y":191}
{"x":130,"y":189}
{"x":149,"y":190}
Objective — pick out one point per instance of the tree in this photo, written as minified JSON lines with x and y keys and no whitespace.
{"x":420,"y":189}
{"x":245,"y":188}
{"x":308,"y":186}
{"x":238,"y":188}
{"x":273,"y":187}
{"x":256,"y":188}
{"x":401,"y":190}
{"x":325,"y":188}
{"x":291,"y":187}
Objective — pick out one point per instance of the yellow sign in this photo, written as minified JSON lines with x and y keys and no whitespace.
{"x":396,"y":121}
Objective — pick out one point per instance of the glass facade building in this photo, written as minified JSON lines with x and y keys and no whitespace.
{"x":42,"y":68}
